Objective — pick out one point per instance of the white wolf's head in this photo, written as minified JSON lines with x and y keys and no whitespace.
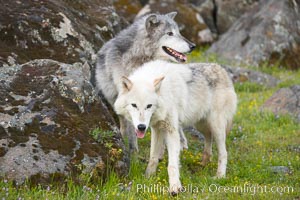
{"x":137,"y":102}
{"x":164,"y":31}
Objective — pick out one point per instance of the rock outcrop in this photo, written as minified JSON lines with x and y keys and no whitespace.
{"x":219,"y":15}
{"x":49,"y":110}
{"x":285,"y":101}
{"x":240,"y":75}
{"x":65,"y":31}
{"x":268,"y":33}
{"x":229,"y":11}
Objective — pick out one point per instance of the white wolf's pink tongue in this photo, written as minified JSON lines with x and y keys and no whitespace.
{"x":140,"y":134}
{"x":183,"y":57}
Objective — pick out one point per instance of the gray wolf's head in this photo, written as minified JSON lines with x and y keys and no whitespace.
{"x":164,"y":32}
{"x":137,"y":102}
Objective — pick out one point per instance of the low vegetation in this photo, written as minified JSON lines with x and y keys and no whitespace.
{"x":264,"y":159}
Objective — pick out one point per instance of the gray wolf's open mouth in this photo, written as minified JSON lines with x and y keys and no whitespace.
{"x":180,"y":57}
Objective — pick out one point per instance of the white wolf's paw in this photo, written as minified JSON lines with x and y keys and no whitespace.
{"x":151,"y":168}
{"x":175,"y":189}
{"x":150,"y":171}
{"x":219,"y":176}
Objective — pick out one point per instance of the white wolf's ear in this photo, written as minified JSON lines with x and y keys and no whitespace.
{"x":172,"y":14}
{"x":152,"y":22}
{"x":157,"y":83}
{"x":126,"y":83}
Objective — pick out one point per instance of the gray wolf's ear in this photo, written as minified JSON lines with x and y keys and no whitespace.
{"x":157,"y":83}
{"x":172,"y":14}
{"x":152,"y":22}
{"x":126,"y":83}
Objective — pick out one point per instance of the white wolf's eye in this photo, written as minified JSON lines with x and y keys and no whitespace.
{"x":134,"y":105}
{"x":149,"y":106}
{"x":170,"y":33}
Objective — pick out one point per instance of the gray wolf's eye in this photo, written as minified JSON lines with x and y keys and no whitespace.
{"x":149,"y":106}
{"x":170,"y":33}
{"x":134,"y":105}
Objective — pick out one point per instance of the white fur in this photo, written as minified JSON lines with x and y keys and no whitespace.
{"x":200,"y":95}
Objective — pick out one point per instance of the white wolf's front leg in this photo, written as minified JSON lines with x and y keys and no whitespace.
{"x":157,"y":146}
{"x":172,"y":139}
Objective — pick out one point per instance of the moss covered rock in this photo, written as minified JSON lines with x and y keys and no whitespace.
{"x":49,"y":109}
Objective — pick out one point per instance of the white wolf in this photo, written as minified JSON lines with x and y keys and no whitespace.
{"x":166,"y":96}
{"x":151,"y":37}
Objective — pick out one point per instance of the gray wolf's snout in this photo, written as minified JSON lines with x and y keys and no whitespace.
{"x":192,"y":46}
{"x":142,"y":127}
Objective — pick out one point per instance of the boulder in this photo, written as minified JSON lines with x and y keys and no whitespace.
{"x":48,"y":112}
{"x":269,"y":32}
{"x":208,"y":10}
{"x":191,"y":23}
{"x":285,"y":101}
{"x":240,"y":75}
{"x":65,"y":31}
{"x":219,"y":15}
{"x":127,"y":9}
{"x":52,"y":122}
{"x":229,"y":11}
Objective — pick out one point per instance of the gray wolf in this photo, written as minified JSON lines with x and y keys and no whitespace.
{"x":151,"y":37}
{"x":166,"y":96}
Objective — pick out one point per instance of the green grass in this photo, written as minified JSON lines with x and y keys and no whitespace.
{"x":257,"y":141}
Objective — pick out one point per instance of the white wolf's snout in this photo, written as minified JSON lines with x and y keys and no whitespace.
{"x":140,"y":126}
{"x":141,"y":130}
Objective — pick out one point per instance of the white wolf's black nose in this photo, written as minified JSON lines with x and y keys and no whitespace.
{"x":142,"y":127}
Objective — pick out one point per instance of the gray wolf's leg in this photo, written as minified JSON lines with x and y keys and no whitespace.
{"x":207,"y":153}
{"x":132,"y":139}
{"x":183,"y":140}
{"x":127,"y":129}
{"x":122,"y":126}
